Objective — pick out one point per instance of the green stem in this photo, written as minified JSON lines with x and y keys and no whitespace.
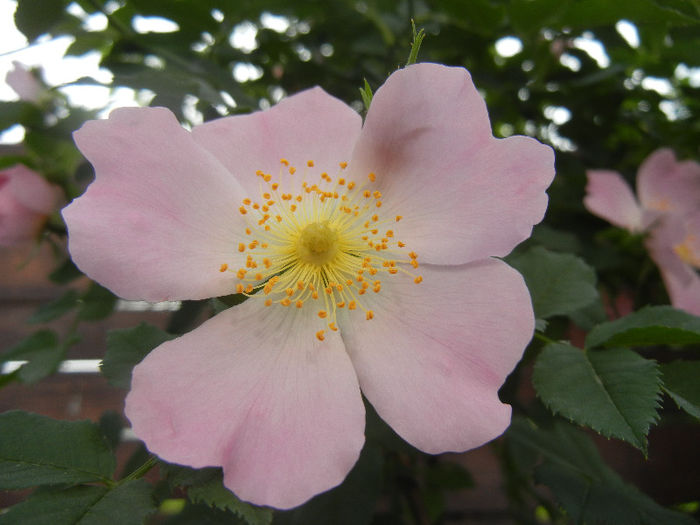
{"x":142,"y":470}
{"x":544,"y":338}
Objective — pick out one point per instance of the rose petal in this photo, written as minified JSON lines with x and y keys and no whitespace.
{"x":253,"y":390}
{"x":311,"y":125}
{"x":434,"y":356}
{"x":681,"y":279}
{"x":664,"y":184}
{"x":610,"y":197}
{"x":21,"y":80}
{"x":25,"y":201}
{"x":463,"y":194}
{"x":161,"y":216}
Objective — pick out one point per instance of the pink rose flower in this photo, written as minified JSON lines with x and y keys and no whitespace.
{"x":26,"y":199}
{"x":368,"y":255}
{"x":21,"y":80}
{"x":667,"y":208}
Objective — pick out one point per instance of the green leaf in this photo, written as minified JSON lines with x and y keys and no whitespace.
{"x":43,"y":353}
{"x":587,"y":489}
{"x":559,"y":283}
{"x":97,"y":303}
{"x":682,"y":383}
{"x":206,"y":486}
{"x":127,"y":504}
{"x":351,"y":503}
{"x":36,"y":17}
{"x":37,"y":450}
{"x":66,"y":272}
{"x":56,"y":308}
{"x":653,"y":325}
{"x":126,"y":348}
{"x":615,"y":392}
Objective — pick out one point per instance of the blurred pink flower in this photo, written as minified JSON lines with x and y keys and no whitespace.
{"x":24,"y":83}
{"x":26,"y":199}
{"x":667,"y":208}
{"x":322,"y":222}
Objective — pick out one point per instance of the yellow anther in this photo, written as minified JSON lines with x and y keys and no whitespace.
{"x":414,"y":263}
{"x":351,"y":185}
{"x":256,"y":206}
{"x":267,"y":177}
{"x":266,"y":263}
{"x":348,"y":282}
{"x":322,"y":314}
{"x":299,"y":304}
{"x":314,"y":295}
{"x":292,"y":170}
{"x":418,"y":280}
{"x":320,"y":336}
{"x":247,"y":202}
{"x":300,"y":285}
{"x":267,"y":289}
{"x":264,"y":245}
{"x":289,"y":292}
{"x":369,"y":315}
{"x":275,"y":185}
{"x":260,"y":173}
{"x":367,"y":194}
{"x":343,"y":165}
{"x":372,"y":177}
{"x":252,"y":245}
{"x":223,"y":267}
{"x":239,"y":288}
{"x":401,"y":244}
{"x":398,"y":218}
{"x":242,"y":210}
{"x":266,"y":196}
{"x":340,"y":304}
{"x":333,"y":327}
{"x":265,"y":208}
{"x":268,"y":302}
{"x":249,"y":288}
{"x":378,"y":204}
{"x":293,"y":207}
{"x":341,"y":181}
{"x":298,"y":198}
{"x":285,"y":301}
{"x":389,"y":233}
{"x":258,"y":276}
{"x":279,"y":218}
{"x":285,"y":162}
{"x":352,"y":305}
{"x":377,"y":195}
{"x":247,"y":230}
{"x":393,"y":271}
{"x":310,"y":163}
{"x":413,"y":255}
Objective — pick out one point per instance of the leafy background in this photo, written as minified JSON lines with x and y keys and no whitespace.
{"x":611,"y":373}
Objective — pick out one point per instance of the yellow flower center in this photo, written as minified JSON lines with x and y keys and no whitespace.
{"x":686,"y":252}
{"x":323,"y":244}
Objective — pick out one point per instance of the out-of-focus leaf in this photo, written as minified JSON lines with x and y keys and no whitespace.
{"x":559,"y":283}
{"x":126,"y":348}
{"x":97,"y":303}
{"x":587,"y":489}
{"x":127,"y":504}
{"x":37,"y":450}
{"x":653,"y":325}
{"x":56,"y":308}
{"x":682,"y":383}
{"x":43,"y":353}
{"x":36,"y":17}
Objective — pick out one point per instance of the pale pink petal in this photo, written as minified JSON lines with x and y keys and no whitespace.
{"x":681,"y":278}
{"x":26,"y":199}
{"x":609,"y":197}
{"x":254,"y":391}
{"x":666,"y":185}
{"x":161,"y":216}
{"x":463,"y":194}
{"x":434,"y":356}
{"x":311,"y":125}
{"x":21,"y":80}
